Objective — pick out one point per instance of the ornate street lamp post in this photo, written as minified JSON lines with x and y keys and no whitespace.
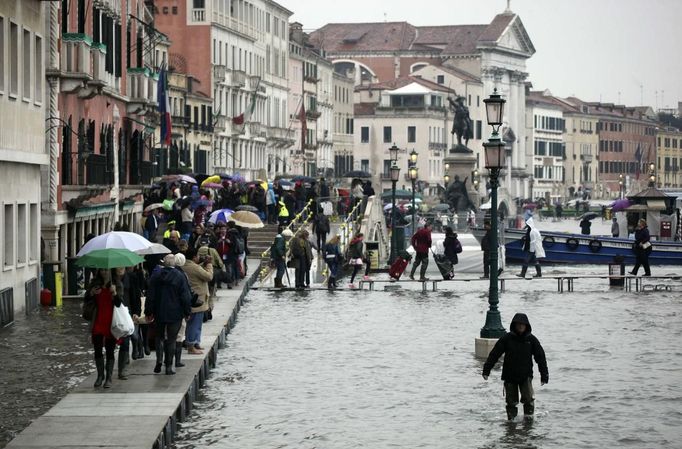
{"x":652,"y":175}
{"x":413,"y":173}
{"x":495,"y":154}
{"x":395,"y":175}
{"x":621,"y":185}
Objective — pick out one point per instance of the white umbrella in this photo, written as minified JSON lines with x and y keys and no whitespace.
{"x":156,"y":248}
{"x":116,"y":239}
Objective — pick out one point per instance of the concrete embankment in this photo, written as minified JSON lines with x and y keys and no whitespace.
{"x":141,"y":412}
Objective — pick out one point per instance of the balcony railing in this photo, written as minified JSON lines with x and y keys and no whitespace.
{"x":310,"y":146}
{"x":255,"y":129}
{"x":198,"y":15}
{"x":141,"y":90}
{"x":312,"y":114}
{"x":219,"y":73}
{"x":435,"y":146}
{"x":97,"y":170}
{"x":75,"y":61}
{"x":254,"y":81}
{"x":99,"y":74}
{"x":237,"y":78}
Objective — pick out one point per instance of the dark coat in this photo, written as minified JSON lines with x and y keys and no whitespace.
{"x":321,"y":224}
{"x":168,"y":296}
{"x":452,"y":247}
{"x":519,"y":351}
{"x":485,"y":241}
{"x":642,"y":236}
{"x":585,"y":226}
{"x":355,"y":249}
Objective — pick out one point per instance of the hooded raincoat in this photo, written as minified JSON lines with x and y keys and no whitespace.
{"x":519,"y":352}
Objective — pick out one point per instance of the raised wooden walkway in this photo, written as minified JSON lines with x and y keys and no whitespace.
{"x":141,"y":412}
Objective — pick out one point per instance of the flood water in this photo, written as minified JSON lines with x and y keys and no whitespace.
{"x":42,"y":358}
{"x":395,"y":369}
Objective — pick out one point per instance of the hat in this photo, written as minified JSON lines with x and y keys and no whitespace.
{"x":169,"y":260}
{"x":180,"y":260}
{"x":288,"y":233}
{"x":203,"y":251}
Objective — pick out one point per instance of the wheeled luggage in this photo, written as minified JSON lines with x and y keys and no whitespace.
{"x":398,"y":267}
{"x":446,"y":268}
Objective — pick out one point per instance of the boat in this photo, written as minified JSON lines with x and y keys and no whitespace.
{"x":653,"y":205}
{"x":566,"y":248}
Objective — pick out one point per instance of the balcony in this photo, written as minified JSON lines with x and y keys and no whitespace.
{"x":179,"y":121}
{"x":219,"y":73}
{"x":310,"y":146}
{"x":198,"y":15}
{"x":312,"y":114}
{"x":310,"y":79}
{"x":75,"y":62}
{"x":254,"y":82}
{"x":256,"y":130}
{"x":438,"y":146}
{"x":586,"y":158}
{"x":237,"y":78}
{"x":99,"y":74}
{"x":141,"y":91}
{"x":220,"y":123}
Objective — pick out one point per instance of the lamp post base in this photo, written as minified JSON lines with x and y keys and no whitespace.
{"x":483,"y":346}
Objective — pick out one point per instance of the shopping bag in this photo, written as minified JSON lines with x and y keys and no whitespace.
{"x":121,"y":322}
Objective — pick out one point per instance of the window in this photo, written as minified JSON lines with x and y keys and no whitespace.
{"x":27,"y":59}
{"x":33,"y":237}
{"x":364,"y":165}
{"x":13,"y":59}
{"x":387,"y":168}
{"x":2,"y":55}
{"x":364,"y":134}
{"x":388,"y":134}
{"x":411,"y":134}
{"x":21,"y":234}
{"x":479,"y":129}
{"x":440,"y":79}
{"x":8,"y":226}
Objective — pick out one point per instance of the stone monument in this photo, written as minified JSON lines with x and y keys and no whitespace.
{"x":461,"y":160}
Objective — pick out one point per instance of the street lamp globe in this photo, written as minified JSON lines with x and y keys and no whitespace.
{"x":413,"y":157}
{"x":494,"y":108}
{"x":446,"y":178}
{"x":393,"y":151}
{"x":395,"y":173}
{"x":495,"y":154}
{"x":414,"y":173}
{"x":447,"y":167}
{"x":652,"y":167}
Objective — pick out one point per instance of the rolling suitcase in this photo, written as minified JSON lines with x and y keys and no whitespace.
{"x":447,"y":270}
{"x":398,"y":267}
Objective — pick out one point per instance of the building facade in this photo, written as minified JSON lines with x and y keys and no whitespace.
{"x":495,"y":52}
{"x":101,"y":112}
{"x":582,"y":145}
{"x":669,"y":158}
{"x":23,"y":43}
{"x":238,"y":53}
{"x":545,"y":126}
{"x":344,"y":124}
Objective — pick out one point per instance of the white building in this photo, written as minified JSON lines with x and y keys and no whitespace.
{"x":343,"y":123}
{"x":545,"y":127}
{"x":22,"y":151}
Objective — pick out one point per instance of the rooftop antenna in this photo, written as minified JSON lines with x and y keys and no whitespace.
{"x":641,"y":94}
{"x":508,"y":6}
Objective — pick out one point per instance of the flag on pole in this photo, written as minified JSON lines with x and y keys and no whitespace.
{"x":638,"y":158}
{"x":241,"y":118}
{"x":304,"y":125}
{"x":164,"y":106}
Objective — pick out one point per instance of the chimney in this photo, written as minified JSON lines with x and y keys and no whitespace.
{"x":296,"y":32}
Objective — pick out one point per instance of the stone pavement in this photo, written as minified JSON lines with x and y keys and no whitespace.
{"x":141,"y":412}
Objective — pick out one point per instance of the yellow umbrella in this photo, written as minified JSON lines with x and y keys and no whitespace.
{"x":211,"y":179}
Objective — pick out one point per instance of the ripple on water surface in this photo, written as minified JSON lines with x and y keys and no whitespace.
{"x":396,"y":369}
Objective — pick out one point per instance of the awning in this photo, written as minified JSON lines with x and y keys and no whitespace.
{"x":656,"y":205}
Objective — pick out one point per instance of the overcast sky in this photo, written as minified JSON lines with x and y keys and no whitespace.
{"x":593,"y":49}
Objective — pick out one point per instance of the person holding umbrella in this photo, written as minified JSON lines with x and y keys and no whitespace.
{"x":101,"y":296}
{"x":585,"y":225}
{"x":643,"y":248}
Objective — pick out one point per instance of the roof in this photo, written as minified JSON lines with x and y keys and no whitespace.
{"x":397,"y":83}
{"x":403,"y":36}
{"x":651,"y":192}
{"x":459,"y":73}
{"x":413,"y":88}
{"x":364,"y":108}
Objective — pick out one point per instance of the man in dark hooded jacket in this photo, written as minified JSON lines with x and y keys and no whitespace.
{"x":519,"y":347}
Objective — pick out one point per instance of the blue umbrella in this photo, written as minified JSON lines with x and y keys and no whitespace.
{"x":220,"y":215}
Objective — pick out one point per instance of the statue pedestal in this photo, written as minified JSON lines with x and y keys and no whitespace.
{"x":462,"y":162}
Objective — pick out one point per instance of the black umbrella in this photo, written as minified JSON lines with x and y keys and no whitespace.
{"x":303,"y":179}
{"x":588,"y":216}
{"x":246,"y":207}
{"x":357,"y":174}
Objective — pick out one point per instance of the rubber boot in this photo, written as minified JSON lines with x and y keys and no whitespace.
{"x":145,"y":340}
{"x":538,"y":271}
{"x":330,"y":283}
{"x":123,"y":357}
{"x":109,"y":373}
{"x":169,"y":351}
{"x":159,"y":356}
{"x":511,"y":412}
{"x":422,"y":272}
{"x":99,"y":363}
{"x":529,"y":409}
{"x":523,"y":272}
{"x":178,"y":356}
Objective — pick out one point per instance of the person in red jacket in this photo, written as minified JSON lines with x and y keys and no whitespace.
{"x":421,"y":242}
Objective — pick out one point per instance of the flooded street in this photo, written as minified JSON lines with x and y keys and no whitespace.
{"x":396,"y":369}
{"x":43,"y":357}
